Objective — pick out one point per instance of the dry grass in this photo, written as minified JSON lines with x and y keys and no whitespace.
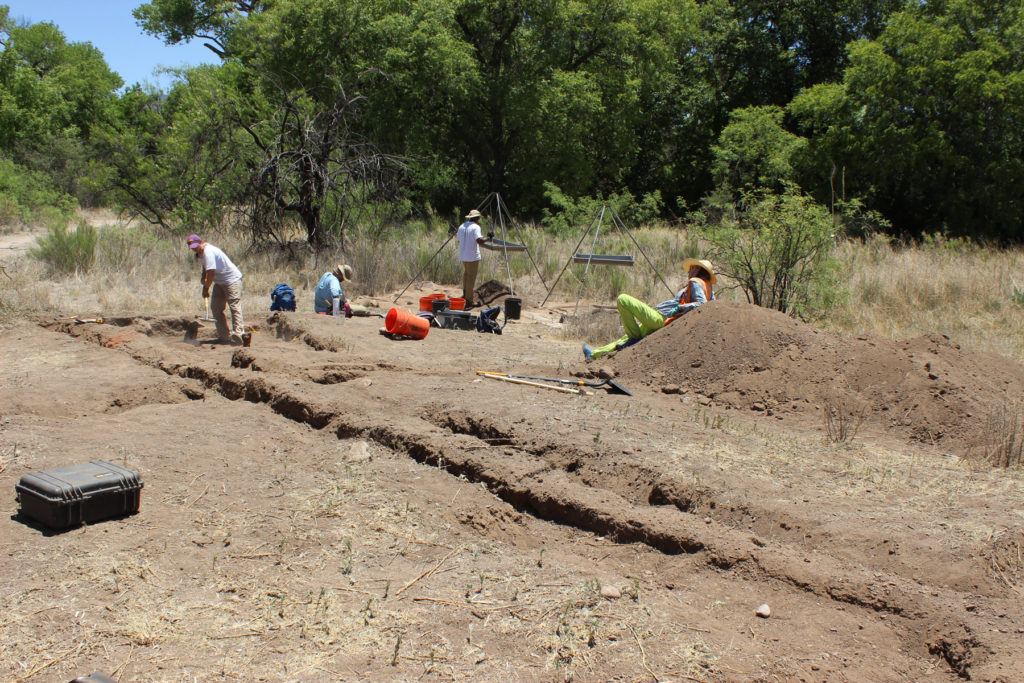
{"x":1002,"y":443}
{"x":970,"y":293}
{"x":142,"y":269}
{"x":1004,"y":553}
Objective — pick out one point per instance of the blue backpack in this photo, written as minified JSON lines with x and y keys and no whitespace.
{"x":487,"y":321}
{"x":282,"y":298}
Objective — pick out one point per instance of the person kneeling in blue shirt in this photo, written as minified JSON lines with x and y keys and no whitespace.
{"x":329,"y":298}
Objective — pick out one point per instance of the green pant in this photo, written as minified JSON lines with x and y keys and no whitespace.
{"x":638,"y":319}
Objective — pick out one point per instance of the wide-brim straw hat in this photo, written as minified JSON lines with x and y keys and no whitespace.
{"x":703,"y":263}
{"x":343,"y":272}
{"x":473,"y":214}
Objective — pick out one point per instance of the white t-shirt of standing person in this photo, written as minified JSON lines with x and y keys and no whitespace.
{"x":469,"y":248}
{"x":224,"y":271}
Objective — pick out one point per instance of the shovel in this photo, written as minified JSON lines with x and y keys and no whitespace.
{"x":611,"y":385}
{"x":505,"y":378}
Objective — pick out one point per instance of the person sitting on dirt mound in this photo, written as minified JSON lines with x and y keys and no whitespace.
{"x":226,"y":280}
{"x":329,"y":298}
{"x":639,"y":319}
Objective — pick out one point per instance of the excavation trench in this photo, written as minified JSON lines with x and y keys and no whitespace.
{"x":552,"y":482}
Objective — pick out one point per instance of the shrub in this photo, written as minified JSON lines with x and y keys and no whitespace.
{"x":778,"y":248}
{"x":25,"y":195}
{"x":10,"y":212}
{"x":67,"y":251}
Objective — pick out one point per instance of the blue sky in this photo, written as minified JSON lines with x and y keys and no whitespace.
{"x":111,"y":28}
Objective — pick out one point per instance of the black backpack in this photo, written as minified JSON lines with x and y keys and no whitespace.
{"x":487,"y":321}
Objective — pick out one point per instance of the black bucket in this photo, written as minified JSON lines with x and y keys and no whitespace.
{"x":438,"y":305}
{"x":513,"y":307}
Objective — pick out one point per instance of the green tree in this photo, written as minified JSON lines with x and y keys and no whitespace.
{"x":723,"y":55}
{"x":482,"y":96}
{"x":925,"y":125}
{"x":53,"y":94}
{"x":755,"y":152}
{"x":592,"y":96}
{"x":214,"y":21}
{"x":183,"y":158}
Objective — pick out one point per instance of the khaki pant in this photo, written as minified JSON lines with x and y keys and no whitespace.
{"x":469,"y":281}
{"x":232,"y":296}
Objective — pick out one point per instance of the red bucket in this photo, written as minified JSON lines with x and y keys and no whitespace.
{"x":457,"y":303}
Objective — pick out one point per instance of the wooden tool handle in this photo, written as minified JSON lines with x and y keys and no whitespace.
{"x":564,"y":390}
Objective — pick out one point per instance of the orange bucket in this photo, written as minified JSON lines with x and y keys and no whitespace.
{"x":425,"y":300}
{"x":405,"y":323}
{"x":457,"y":303}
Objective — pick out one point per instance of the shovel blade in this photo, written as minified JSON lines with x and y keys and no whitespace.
{"x":614,"y":387}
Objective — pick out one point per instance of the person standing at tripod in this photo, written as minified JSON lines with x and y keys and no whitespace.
{"x":470,"y":239}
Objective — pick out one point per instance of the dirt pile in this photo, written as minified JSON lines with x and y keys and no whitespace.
{"x":743,"y":356}
{"x":491,"y":290}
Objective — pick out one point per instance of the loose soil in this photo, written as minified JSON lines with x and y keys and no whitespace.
{"x":331,"y":504}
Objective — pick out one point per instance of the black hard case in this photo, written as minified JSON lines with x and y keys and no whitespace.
{"x":68,"y":496}
{"x":455,"y":320}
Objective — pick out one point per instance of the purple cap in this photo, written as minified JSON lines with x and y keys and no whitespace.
{"x":193,"y":241}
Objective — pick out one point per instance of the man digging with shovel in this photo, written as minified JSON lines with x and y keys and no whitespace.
{"x":225,"y":280}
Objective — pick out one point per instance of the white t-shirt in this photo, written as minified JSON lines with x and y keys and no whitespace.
{"x":225,"y":272}
{"x":468,"y":235}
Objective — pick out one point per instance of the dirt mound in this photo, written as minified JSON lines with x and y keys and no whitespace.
{"x":745,"y":356}
{"x":491,"y":290}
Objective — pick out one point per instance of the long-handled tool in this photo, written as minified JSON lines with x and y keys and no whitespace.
{"x":209,"y":315}
{"x":611,"y":385}
{"x":505,"y":378}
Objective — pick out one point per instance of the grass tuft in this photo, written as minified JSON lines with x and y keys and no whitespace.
{"x":1002,"y":443}
{"x":842,"y":417}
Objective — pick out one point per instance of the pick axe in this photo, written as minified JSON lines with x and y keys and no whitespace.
{"x":209,"y":316}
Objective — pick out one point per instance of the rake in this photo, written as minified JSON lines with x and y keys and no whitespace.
{"x":611,"y":385}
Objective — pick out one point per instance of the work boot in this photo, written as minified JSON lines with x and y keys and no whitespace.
{"x":235,"y":339}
